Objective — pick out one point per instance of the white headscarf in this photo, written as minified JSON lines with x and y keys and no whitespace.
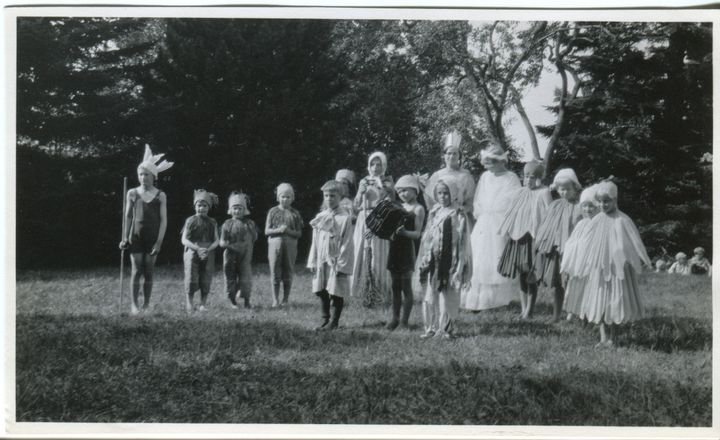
{"x":383,"y":161}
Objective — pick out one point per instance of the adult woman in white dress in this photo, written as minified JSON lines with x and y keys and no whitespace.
{"x":463,"y":178}
{"x":488,"y":288}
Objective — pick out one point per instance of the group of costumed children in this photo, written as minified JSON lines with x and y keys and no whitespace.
{"x":580,"y":245}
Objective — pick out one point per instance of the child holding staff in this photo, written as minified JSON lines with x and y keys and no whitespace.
{"x":283,"y":227}
{"x":200,"y":238}
{"x":402,"y":254}
{"x":521,"y":223}
{"x":144,"y":232}
{"x":444,"y":262}
{"x":331,"y":255}
{"x":237,"y":236}
{"x":554,"y":231}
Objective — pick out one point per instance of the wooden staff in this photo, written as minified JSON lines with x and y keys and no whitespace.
{"x":122,"y":238}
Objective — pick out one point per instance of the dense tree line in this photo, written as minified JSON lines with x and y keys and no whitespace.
{"x":246,"y":104}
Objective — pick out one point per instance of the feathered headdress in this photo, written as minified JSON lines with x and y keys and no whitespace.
{"x":210,"y":198}
{"x":150,"y":162}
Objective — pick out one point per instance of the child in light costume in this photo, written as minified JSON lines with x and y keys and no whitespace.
{"x":575,"y":287}
{"x":146,"y":224}
{"x":283,"y":227}
{"x":200,"y":238}
{"x":403,"y":251}
{"x":237,"y":237}
{"x":521,"y":223}
{"x":555,"y":229}
{"x":681,"y":265}
{"x":699,"y":265}
{"x":331,"y":255}
{"x":611,"y":258}
{"x":444,"y":263}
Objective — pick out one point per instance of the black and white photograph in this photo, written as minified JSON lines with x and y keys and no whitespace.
{"x":360,"y":222}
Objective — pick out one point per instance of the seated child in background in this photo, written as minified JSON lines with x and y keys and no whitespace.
{"x":699,"y":265}
{"x":661,"y":265}
{"x":237,"y":236}
{"x":331,"y":255}
{"x":283,"y":227}
{"x":200,"y":238}
{"x":680,"y":266}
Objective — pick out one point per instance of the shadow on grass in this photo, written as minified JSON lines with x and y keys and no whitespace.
{"x":668,"y":334}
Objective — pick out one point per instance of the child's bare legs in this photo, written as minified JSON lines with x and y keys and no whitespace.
{"x":407,"y":299}
{"x":136,"y":260}
{"x":529,"y":292}
{"x":148,"y":266}
{"x":287,"y":286}
{"x":523,"y":296}
{"x":396,"y":300}
{"x":275,"y":293}
{"x":191,"y":280}
{"x":607,"y":335}
{"x":324,"y":308}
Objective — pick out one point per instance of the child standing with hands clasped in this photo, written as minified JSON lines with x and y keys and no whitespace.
{"x":331,"y":255}
{"x":611,"y":258}
{"x":283,"y":227}
{"x":200,"y":238}
{"x":444,"y":263}
{"x":554,"y":231}
{"x":237,"y":237}
{"x":402,"y":253}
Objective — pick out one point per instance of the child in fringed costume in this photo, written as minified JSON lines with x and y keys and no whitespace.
{"x":331,"y":255}
{"x":488,"y":288}
{"x":575,"y":288}
{"x":283,"y":227}
{"x":200,"y":238}
{"x":444,"y":263}
{"x":144,"y":232}
{"x":237,"y":237}
{"x":371,"y":279}
{"x":346,"y":178}
{"x":403,"y":250}
{"x":521,"y":223}
{"x":611,"y":258}
{"x":555,"y":229}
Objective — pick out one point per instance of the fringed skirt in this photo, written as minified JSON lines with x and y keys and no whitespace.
{"x":547,"y":268}
{"x":574,"y":293}
{"x":517,"y":257}
{"x":614,"y":301}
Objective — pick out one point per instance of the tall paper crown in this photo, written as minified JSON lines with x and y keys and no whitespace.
{"x":452,"y":139}
{"x":238,"y":198}
{"x":150,"y":162}
{"x":207,"y":196}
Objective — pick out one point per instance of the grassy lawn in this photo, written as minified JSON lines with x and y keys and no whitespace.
{"x":79,"y":360}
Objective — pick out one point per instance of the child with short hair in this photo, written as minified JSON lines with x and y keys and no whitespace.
{"x":144,"y":232}
{"x":554,"y":231}
{"x":699,"y":265}
{"x":200,"y":238}
{"x":522,"y":219}
{"x":331,"y":255}
{"x":403,"y":252}
{"x":575,"y":287}
{"x":237,"y":237}
{"x":283,"y":227}
{"x":680,"y":266}
{"x":444,"y":263}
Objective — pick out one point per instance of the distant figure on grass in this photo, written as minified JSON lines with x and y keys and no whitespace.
{"x":681,"y":265}
{"x":444,"y":263}
{"x":662,"y":264}
{"x":699,"y":265}
{"x":403,"y":250}
{"x":200,"y":238}
{"x":283,"y":227}
{"x":554,"y":231}
{"x":331,"y":255}
{"x":611,"y":257}
{"x":371,"y":251}
{"x":346,"y":179}
{"x":495,"y":189}
{"x":575,"y":288}
{"x":452,"y":157}
{"x":237,"y":237}
{"x":522,"y":220}
{"x":144,"y":232}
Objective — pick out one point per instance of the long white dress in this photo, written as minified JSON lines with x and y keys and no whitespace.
{"x":488,"y":289}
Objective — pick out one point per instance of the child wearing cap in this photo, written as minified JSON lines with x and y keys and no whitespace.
{"x":554,"y":230}
{"x":680,"y":266}
{"x":575,"y":287}
{"x":144,"y":232}
{"x":237,"y":237}
{"x":283,"y":227}
{"x":346,"y":178}
{"x":200,"y":238}
{"x":403,"y":252}
{"x":331,"y":255}
{"x":699,"y":265}
{"x":520,"y":225}
{"x":611,"y":258}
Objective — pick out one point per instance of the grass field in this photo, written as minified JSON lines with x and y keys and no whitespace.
{"x":79,"y":360}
